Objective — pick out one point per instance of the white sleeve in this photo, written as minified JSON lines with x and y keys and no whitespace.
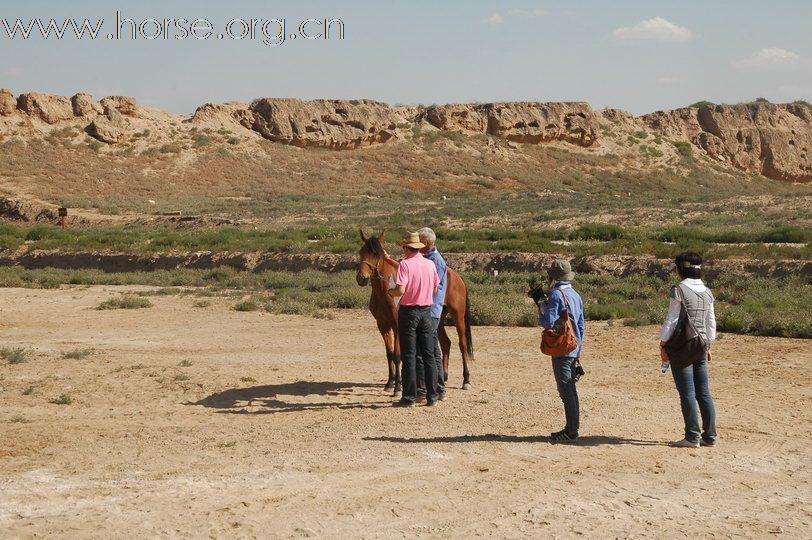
{"x":710,"y":324}
{"x":671,"y":319}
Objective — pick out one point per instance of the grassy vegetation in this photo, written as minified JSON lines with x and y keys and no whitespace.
{"x":705,"y":235}
{"x":758,"y":306}
{"x":63,"y":399}
{"x":77,"y":354}
{"x":125,"y":301}
{"x":14,"y":355}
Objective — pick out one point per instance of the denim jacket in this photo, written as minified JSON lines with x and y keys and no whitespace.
{"x":550,"y":311}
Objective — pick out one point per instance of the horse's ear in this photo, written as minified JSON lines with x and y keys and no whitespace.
{"x":380,"y":236}
{"x":364,"y":237}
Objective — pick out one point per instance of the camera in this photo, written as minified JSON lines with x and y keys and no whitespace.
{"x":536,"y":291}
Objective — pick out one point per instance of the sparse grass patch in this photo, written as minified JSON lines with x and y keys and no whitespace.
{"x":125,"y":301}
{"x":248,"y":379}
{"x":15,"y":355}
{"x":185,"y":363}
{"x":63,"y":399}
{"x":201,"y":303}
{"x":684,"y":148}
{"x":19,"y":419}
{"x":28,"y":391}
{"x":77,"y":354}
{"x":249,"y":304}
{"x":181,"y":377}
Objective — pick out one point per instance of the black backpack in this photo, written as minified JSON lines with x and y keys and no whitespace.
{"x":686,"y":345}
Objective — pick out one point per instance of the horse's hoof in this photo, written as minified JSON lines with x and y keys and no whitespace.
{"x":466,"y":386}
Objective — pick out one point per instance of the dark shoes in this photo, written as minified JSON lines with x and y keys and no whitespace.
{"x":707,"y":442}
{"x":431,"y":403}
{"x":563,"y":436}
{"x":403,"y":403}
{"x":442,"y":396}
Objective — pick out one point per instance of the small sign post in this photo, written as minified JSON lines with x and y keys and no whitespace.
{"x":63,"y":213}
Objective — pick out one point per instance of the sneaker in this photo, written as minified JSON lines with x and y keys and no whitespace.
{"x":431,"y":402}
{"x":421,"y":398}
{"x":685,"y":443}
{"x":706,"y":442}
{"x":403,"y":403}
{"x":442,"y":396}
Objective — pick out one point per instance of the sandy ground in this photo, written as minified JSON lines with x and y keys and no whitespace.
{"x":280,"y":428}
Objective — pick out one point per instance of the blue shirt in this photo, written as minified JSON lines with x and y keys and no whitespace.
{"x":442,"y":270}
{"x":551,"y":309}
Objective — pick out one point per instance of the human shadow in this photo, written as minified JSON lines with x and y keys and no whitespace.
{"x":588,"y":440}
{"x":268,"y":399}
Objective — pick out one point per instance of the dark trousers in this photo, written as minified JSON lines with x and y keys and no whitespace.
{"x":563,"y":371}
{"x":438,"y":363}
{"x":694,"y":389}
{"x":415,"y":334}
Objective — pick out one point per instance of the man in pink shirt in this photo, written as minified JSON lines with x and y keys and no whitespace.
{"x":416,"y":283}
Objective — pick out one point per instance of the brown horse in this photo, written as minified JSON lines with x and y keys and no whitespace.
{"x":373,"y":269}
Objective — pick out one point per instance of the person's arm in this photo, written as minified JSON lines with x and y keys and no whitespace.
{"x":443,"y":283}
{"x":670,"y":323}
{"x":710,"y":329}
{"x":550,"y":310}
{"x":396,"y":291}
{"x":401,"y":279}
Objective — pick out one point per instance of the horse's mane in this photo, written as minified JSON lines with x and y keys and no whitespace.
{"x":375,"y":247}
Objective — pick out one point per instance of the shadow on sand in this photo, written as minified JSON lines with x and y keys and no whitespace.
{"x":268,"y":399}
{"x":588,"y":440}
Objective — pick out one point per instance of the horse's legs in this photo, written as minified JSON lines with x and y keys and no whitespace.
{"x":389,"y":343}
{"x":445,"y":346}
{"x":459,"y":323}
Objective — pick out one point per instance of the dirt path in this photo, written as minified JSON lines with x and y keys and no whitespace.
{"x":280,"y":428}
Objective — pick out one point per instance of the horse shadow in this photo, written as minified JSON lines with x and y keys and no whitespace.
{"x":268,"y":399}
{"x":588,"y":440}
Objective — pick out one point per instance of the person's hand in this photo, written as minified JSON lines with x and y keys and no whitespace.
{"x":710,"y":356}
{"x":664,"y":355}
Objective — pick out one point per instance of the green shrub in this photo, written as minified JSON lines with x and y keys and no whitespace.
{"x":14,"y":355}
{"x":125,"y":301}
{"x":249,"y":304}
{"x":77,"y":354}
{"x":597,"y":231}
{"x":702,"y":104}
{"x":684,"y":148}
{"x":63,"y":399}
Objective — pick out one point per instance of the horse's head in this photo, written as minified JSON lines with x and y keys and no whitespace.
{"x":369,"y":256}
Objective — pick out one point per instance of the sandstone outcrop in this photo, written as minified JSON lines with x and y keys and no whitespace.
{"x":8,"y":105}
{"x":224,"y":115}
{"x":763,"y":138}
{"x":82,"y":104}
{"x":123,"y":104}
{"x":331,"y":124}
{"x":47,"y":107}
{"x":110,"y":128}
{"x":531,"y":123}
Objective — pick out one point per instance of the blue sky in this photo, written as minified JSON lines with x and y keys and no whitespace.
{"x":635,"y":55}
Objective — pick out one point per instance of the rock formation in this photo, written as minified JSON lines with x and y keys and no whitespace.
{"x":46,"y":107}
{"x":111,"y":127}
{"x":531,"y":123}
{"x":82,"y":104}
{"x":763,"y":138}
{"x":8,"y":105}
{"x":123,"y":104}
{"x":323,"y":123}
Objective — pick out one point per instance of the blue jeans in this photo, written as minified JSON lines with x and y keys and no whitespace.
{"x":693,"y":388}
{"x":562,"y":369}
{"x":416,"y":334}
{"x":438,"y":362}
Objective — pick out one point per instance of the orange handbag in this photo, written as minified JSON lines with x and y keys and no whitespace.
{"x":560,"y":343}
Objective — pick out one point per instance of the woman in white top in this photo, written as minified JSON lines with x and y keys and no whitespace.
{"x":692,"y":380}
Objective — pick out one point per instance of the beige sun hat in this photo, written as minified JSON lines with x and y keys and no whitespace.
{"x":412,"y":240}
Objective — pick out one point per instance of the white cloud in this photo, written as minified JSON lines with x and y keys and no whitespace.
{"x":768,"y":58}
{"x":656,"y":29}
{"x":493,"y":19}
{"x":538,"y":12}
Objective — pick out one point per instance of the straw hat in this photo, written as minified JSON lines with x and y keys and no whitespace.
{"x":412,"y":240}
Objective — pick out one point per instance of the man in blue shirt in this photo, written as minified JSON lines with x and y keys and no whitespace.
{"x":430,"y":252}
{"x":567,"y":368}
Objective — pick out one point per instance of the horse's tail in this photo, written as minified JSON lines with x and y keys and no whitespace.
{"x":468,"y":320}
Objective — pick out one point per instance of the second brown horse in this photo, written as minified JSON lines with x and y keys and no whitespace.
{"x":373,"y":270}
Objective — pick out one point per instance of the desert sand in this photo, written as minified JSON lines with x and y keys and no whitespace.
{"x":206,"y":422}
